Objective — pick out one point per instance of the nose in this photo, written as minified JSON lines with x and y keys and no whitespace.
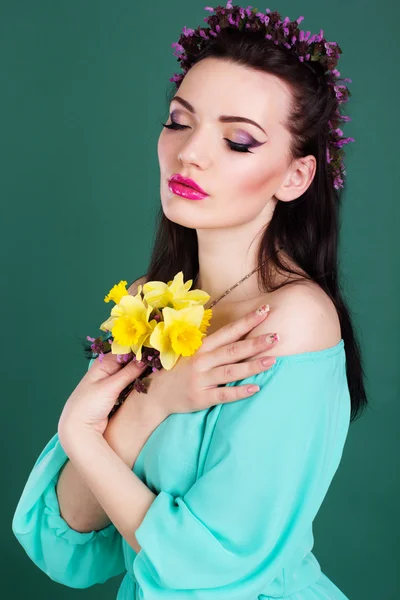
{"x":196,"y":151}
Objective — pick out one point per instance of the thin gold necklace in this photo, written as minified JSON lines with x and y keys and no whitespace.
{"x":236,"y":284}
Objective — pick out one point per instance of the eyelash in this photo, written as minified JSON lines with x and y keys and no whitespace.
{"x":232,"y":145}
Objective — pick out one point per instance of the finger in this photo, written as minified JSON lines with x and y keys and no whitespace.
{"x":129,"y":372}
{"x":236,"y":372}
{"x":234,"y":330}
{"x":241,"y":349}
{"x":110,"y":364}
{"x":223,"y":395}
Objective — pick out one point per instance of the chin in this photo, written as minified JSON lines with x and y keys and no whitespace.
{"x":178,"y":213}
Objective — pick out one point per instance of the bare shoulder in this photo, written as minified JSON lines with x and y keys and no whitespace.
{"x":304,"y":317}
{"x":133,"y":288}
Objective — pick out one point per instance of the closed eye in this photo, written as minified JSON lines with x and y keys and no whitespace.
{"x":232,"y":145}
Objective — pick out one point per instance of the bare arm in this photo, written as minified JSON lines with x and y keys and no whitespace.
{"x":126,"y":436}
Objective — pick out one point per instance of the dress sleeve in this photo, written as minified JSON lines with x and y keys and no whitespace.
{"x":268,"y":467}
{"x":75,"y":559}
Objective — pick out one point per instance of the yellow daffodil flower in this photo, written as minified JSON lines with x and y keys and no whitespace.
{"x":174,"y":294}
{"x":117,"y":292}
{"x":179,"y":334}
{"x":129,"y":324}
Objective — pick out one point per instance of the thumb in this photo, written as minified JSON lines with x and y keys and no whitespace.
{"x":128,"y":372}
{"x":110,"y":367}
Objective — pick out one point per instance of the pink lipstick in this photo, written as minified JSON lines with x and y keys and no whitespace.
{"x":185,"y":187}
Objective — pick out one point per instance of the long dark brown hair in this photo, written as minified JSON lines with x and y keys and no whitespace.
{"x":308,"y":227}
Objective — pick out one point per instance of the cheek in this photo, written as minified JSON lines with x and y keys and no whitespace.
{"x":255,"y":177}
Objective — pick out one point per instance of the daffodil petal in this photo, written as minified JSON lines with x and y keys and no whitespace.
{"x":132,"y":305}
{"x":192,"y":315}
{"x":107,"y":325}
{"x":151,"y":286}
{"x":168,"y":359}
{"x":158,"y":299}
{"x":119,"y":348}
{"x":177,"y":283}
{"x":156,"y":337}
{"x":193,"y":297}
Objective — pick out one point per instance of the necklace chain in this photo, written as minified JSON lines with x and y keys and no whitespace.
{"x":236,"y":284}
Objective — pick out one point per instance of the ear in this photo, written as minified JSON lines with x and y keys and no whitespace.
{"x":297,"y":179}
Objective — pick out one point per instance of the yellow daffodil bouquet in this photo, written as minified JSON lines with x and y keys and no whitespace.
{"x":162,"y":322}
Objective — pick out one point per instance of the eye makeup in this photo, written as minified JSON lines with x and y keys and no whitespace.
{"x":235,"y":146}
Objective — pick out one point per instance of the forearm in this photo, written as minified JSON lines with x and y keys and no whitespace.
{"x":123,"y":496}
{"x":78,"y":505}
{"x":126,"y":433}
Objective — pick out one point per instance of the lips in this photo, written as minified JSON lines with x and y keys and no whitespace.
{"x":177,"y":178}
{"x":185,"y":191}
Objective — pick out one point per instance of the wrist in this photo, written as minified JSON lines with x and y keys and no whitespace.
{"x":78,"y":441}
{"x":131,"y":425}
{"x":148,"y":410}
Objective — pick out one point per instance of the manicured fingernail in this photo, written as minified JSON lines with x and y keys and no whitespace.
{"x":252,"y":389}
{"x":262,"y":309}
{"x":273,"y":337}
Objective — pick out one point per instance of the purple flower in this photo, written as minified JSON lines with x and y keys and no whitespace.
{"x":187,"y":32}
{"x":176,"y":77}
{"x":178,"y":47}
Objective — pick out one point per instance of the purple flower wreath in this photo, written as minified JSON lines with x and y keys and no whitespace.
{"x":286,"y":33}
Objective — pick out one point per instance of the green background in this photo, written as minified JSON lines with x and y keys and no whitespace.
{"x":83,"y":93}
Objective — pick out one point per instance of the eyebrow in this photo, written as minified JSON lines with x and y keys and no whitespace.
{"x":221,"y":118}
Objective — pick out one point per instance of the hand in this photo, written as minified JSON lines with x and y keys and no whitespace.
{"x":192,"y":384}
{"x":90,"y":403}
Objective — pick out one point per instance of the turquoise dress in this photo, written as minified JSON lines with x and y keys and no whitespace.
{"x":237,"y":487}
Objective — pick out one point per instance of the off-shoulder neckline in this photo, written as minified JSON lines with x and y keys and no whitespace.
{"x":314,"y":355}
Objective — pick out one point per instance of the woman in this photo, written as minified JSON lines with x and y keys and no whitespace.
{"x":219,"y":496}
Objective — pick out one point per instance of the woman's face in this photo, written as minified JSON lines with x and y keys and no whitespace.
{"x":240,"y":184}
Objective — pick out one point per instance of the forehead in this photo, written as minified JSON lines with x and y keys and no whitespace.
{"x":215,"y":86}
